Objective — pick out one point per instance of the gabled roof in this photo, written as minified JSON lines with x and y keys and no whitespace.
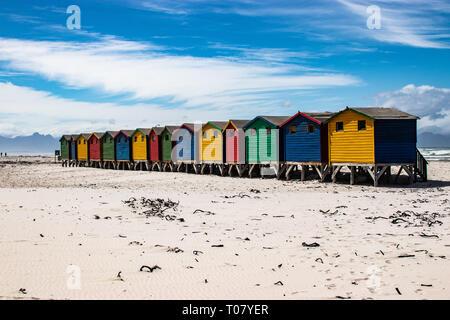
{"x":317,"y":117}
{"x":144,"y":131}
{"x":97,"y":134}
{"x":112,"y":134}
{"x":275,"y":121}
{"x":158,"y":130}
{"x":219,"y":125}
{"x":66,"y":137}
{"x":84,"y":135}
{"x":379,"y":113}
{"x":189,"y":126}
{"x":128,"y":133}
{"x":237,"y":124}
{"x":171,"y":128}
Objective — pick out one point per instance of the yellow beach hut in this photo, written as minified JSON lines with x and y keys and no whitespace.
{"x":82,"y":148}
{"x":140,"y":148}
{"x":212,"y":147}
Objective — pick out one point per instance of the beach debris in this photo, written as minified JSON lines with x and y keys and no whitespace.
{"x":197,"y":252}
{"x":428,"y":235}
{"x":328,"y":212}
{"x":206,"y":280}
{"x":217,"y":245}
{"x":176,"y":250}
{"x":341,"y":297}
{"x":255,"y":191}
{"x":310,"y":245}
{"x":149,"y":269}
{"x":135,"y":243}
{"x":208,"y":213}
{"x":278,"y":283}
{"x":407,"y":256}
{"x":155,"y":207}
{"x":240,"y":195}
{"x":426,"y":285}
{"x":122,"y":236}
{"x":41,"y":235}
{"x":96,"y":217}
{"x":280,"y":265}
{"x":23,"y":290}
{"x":119,"y":276}
{"x":411,"y":218}
{"x":319,"y":260}
{"x":398,"y":291}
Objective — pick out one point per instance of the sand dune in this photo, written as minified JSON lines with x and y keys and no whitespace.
{"x":54,"y":220}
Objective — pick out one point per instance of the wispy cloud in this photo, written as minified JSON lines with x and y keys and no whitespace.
{"x":138,"y":69}
{"x":430,"y":103}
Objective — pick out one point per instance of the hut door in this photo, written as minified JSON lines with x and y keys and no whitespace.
{"x":235,"y":143}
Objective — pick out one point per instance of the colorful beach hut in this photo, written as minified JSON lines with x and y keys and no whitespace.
{"x":304,"y":141}
{"x":95,"y":149}
{"x":212,"y":147}
{"x":66,"y":142}
{"x":234,"y":141}
{"x":82,"y":149}
{"x":185,"y":147}
{"x":122,"y":142}
{"x":262,"y":143}
{"x":165,"y":145}
{"x":140,"y":148}
{"x":108,"y":149}
{"x":374,"y":139}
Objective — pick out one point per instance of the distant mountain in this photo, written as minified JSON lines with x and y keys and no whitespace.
{"x":34,"y":144}
{"x":428,"y":139}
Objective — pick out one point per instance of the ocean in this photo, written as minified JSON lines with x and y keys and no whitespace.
{"x":436,"y":154}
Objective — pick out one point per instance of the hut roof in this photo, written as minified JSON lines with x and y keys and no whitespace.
{"x":237,"y":124}
{"x":111,"y":133}
{"x":171,"y":128}
{"x":220,"y":125}
{"x":158,"y":130}
{"x":379,"y":113}
{"x":317,"y":117}
{"x":273,"y":120}
{"x":189,"y":126}
{"x":128,"y":133}
{"x":66,"y":137}
{"x":84,"y":135}
{"x":97,"y":134}
{"x":144,"y":131}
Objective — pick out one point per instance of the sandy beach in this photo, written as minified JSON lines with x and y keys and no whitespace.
{"x":65,"y":233}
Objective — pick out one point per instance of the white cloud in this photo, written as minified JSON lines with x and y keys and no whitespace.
{"x":146,"y":72}
{"x":430,"y":103}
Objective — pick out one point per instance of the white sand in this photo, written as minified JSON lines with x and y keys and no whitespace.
{"x":60,"y":203}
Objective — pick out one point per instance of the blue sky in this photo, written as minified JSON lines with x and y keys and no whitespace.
{"x":140,"y":63}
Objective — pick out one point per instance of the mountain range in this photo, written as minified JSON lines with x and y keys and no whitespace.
{"x":47,"y":144}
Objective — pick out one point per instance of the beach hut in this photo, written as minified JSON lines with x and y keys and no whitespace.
{"x":82,"y":149}
{"x":140,"y":148}
{"x":186,"y":143}
{"x":304,"y":141}
{"x":161,"y":145}
{"x":373,"y":140}
{"x":95,"y":149}
{"x":122,"y":142}
{"x":212,"y":147}
{"x":262,"y":143}
{"x":65,"y":141}
{"x":73,"y":150}
{"x":234,"y":140}
{"x":108,"y":149}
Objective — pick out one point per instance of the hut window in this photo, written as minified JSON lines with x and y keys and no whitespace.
{"x":125,"y":140}
{"x":110,"y":139}
{"x":135,"y":139}
{"x":215,"y":134}
{"x":154,"y":138}
{"x":253,"y":131}
{"x":84,"y":141}
{"x":180,"y":138}
{"x":310,"y":128}
{"x":96,"y":141}
{"x":79,"y":142}
{"x":339,"y":126}
{"x":118,"y":140}
{"x":204,"y":135}
{"x":268,"y":131}
{"x":142,"y":139}
{"x":361,"y":125}
{"x":292,"y":129}
{"x":167,"y":137}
